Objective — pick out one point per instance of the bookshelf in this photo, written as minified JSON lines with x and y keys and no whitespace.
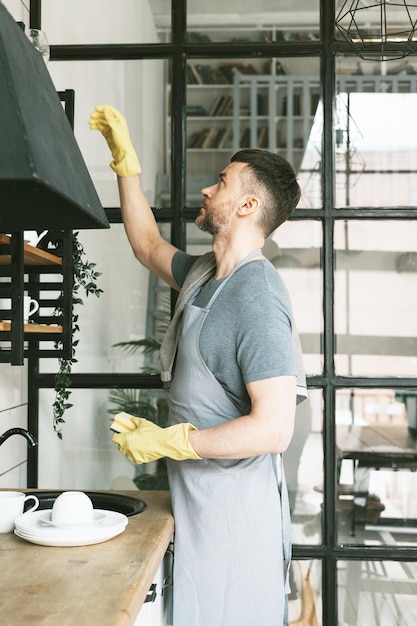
{"x":280,"y":113}
{"x":242,"y":104}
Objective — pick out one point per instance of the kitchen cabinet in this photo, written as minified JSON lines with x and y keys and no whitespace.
{"x":154,"y":610}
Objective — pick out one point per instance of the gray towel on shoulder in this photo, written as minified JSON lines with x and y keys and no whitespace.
{"x":202,"y":270}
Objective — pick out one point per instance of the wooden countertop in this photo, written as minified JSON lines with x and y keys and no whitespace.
{"x":103,"y":584}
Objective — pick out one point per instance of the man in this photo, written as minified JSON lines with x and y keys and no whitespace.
{"x":233,"y":391}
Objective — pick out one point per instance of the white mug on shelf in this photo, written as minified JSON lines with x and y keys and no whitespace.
{"x":30,"y":306}
{"x":11,"y":506}
{"x":32,"y":237}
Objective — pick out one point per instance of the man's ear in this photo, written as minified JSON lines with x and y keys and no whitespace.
{"x":249,"y":205}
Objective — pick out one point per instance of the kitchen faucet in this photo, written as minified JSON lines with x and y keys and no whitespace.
{"x":18,"y":431}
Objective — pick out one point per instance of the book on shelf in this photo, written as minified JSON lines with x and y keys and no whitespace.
{"x":245,"y":138}
{"x":193,"y":77}
{"x":196,"y":110}
{"x":226,"y":107}
{"x":296,"y":105}
{"x":231,"y":68}
{"x":196,"y":140}
{"x":204,"y":74}
{"x":210,"y":138}
{"x":216,"y":104}
{"x":262,"y":137}
{"x":209,"y":75}
{"x":280,"y":69}
{"x":261,"y":104}
{"x":192,"y":140}
{"x":218,"y":76}
{"x":221,"y":106}
{"x":224,"y":138}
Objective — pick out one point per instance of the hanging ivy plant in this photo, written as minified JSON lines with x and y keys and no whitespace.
{"x":85,"y":277}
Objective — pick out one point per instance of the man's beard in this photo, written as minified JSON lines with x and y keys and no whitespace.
{"x":207,"y":225}
{"x":215,"y":219}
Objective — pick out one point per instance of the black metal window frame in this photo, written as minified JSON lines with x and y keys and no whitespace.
{"x":178,"y":52}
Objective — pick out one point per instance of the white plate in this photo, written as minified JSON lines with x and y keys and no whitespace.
{"x":99,"y":516}
{"x":33,"y":523}
{"x":71,"y":541}
{"x":95,"y":534}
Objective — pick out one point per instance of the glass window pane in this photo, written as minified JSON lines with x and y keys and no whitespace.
{"x":379,"y":592}
{"x":375,"y":298}
{"x":240,"y":21}
{"x":295,"y":250}
{"x":109,"y":22}
{"x":253,"y":103}
{"x":305,"y":599}
{"x":86,"y":457}
{"x":303,"y":462}
{"x":376,"y":460}
{"x":375,"y":168}
{"x":136,"y":89}
{"x":133,"y":307}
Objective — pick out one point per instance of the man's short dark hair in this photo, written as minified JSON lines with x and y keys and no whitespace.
{"x":274,"y":179}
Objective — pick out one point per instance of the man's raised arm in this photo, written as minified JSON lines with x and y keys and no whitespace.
{"x":148,"y":246}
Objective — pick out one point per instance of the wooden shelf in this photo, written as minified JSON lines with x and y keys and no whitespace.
{"x":32,"y":255}
{"x":33,"y":328}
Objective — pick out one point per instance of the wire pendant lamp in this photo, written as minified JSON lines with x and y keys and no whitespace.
{"x":378,"y":30}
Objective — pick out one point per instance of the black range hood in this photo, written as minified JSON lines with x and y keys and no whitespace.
{"x":44,"y":182}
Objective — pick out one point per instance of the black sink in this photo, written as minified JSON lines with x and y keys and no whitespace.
{"x":128,"y":505}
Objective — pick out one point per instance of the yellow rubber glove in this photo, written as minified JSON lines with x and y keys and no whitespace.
{"x":149,"y":442}
{"x":114,"y":129}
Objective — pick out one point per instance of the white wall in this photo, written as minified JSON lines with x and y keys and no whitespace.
{"x":86,"y":457}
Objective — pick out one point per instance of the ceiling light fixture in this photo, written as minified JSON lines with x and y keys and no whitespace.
{"x":379,"y":30}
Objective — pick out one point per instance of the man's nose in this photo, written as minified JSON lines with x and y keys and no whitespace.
{"x":207,"y":191}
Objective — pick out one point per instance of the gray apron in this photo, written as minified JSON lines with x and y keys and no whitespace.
{"x":232,"y":525}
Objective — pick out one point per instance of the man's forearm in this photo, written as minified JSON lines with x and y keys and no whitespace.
{"x":138,"y":219}
{"x":240,"y":438}
{"x":148,"y":246}
{"x":267,"y":429}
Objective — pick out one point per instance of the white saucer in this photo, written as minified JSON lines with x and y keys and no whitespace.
{"x":46,"y":518}
{"x":32,"y":526}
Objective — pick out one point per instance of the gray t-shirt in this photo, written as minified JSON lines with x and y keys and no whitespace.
{"x":247,"y":334}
